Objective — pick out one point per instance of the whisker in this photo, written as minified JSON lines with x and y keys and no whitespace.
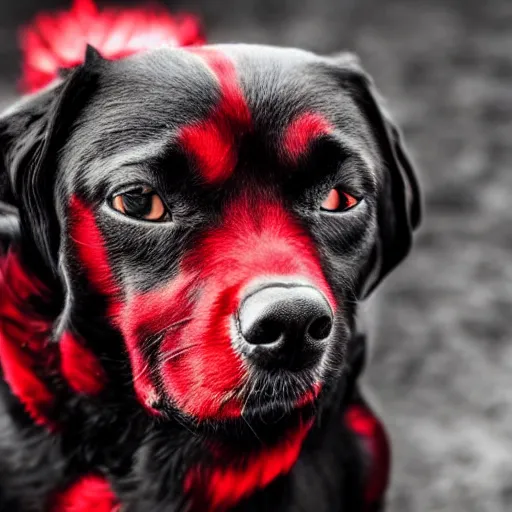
{"x":141,"y":373}
{"x":177,"y":353}
{"x":157,"y":336}
{"x":251,"y":428}
{"x":96,"y":246}
{"x":184,"y":425}
{"x":169,"y":356}
{"x":173,"y":325}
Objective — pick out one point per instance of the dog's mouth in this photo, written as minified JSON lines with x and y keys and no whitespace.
{"x":265,"y":392}
{"x":268,"y":405}
{"x":269,"y":396}
{"x":236,"y":388}
{"x":262,"y":356}
{"x":214,"y":380}
{"x":256,"y":395}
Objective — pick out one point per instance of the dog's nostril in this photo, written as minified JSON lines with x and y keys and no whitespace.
{"x":285,"y":318}
{"x":320,"y":328}
{"x":267,"y":332}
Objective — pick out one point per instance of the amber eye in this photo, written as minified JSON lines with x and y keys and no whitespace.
{"x":141,"y":203}
{"x":338,"y":201}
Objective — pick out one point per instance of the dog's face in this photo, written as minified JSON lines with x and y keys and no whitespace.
{"x":211,"y":216}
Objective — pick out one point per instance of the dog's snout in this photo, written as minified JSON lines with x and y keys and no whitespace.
{"x":282,"y":321}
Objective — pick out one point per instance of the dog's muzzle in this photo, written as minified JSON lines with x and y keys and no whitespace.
{"x":284,"y":326}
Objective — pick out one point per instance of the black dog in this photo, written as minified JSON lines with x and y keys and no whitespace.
{"x":186,"y":235}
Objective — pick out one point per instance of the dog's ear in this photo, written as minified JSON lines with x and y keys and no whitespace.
{"x":21,"y":133}
{"x":399,"y":204}
{"x":9,"y":217}
{"x":29,"y":132}
{"x":24,"y":133}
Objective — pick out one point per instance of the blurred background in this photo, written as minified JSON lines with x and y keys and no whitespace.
{"x":441,"y":361}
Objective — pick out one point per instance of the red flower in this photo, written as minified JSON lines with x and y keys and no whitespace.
{"x":57,"y":41}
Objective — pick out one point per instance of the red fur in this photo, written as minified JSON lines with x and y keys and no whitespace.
{"x":25,"y":353}
{"x":309,"y":396}
{"x":213,"y":141}
{"x":92,"y":253}
{"x":57,"y":41}
{"x":91,"y":493}
{"x":80,"y":366}
{"x":217,"y":489}
{"x":171,"y":311}
{"x":370,"y":430}
{"x":301,"y":132}
{"x":19,"y":373}
{"x":200,"y":370}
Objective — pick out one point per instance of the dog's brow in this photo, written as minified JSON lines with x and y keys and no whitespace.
{"x":301,"y":132}
{"x":212,"y":142}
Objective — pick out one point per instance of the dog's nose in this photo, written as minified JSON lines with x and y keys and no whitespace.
{"x":283,"y":320}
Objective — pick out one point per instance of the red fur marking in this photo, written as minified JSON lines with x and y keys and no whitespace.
{"x":90,"y":493}
{"x":188,"y":346}
{"x":301,"y":132}
{"x":92,"y":253}
{"x":361,"y":420}
{"x":213,"y":141}
{"x":80,"y":366}
{"x":223,"y":487}
{"x":57,"y":41}
{"x":309,"y":397}
{"x":19,"y":373}
{"x":24,"y":348}
{"x":199,"y":368}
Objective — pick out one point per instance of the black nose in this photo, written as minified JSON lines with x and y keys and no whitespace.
{"x":283,"y":322}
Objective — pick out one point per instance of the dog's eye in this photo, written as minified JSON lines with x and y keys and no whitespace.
{"x":141,"y":203}
{"x":338,"y":201}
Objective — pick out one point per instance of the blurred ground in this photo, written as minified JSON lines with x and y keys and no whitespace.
{"x":441,"y":363}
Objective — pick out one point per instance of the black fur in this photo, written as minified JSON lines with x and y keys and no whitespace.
{"x":109,"y":124}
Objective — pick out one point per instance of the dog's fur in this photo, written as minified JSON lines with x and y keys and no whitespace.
{"x":120,"y":383}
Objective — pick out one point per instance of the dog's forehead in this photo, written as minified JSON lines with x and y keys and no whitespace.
{"x":204,"y":99}
{"x":275,"y":83}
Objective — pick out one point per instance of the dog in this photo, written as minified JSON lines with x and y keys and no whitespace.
{"x":186,"y":234}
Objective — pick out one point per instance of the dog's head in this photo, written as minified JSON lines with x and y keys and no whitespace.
{"x":209,"y":218}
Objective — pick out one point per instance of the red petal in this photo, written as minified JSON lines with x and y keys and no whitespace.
{"x":55,"y":41}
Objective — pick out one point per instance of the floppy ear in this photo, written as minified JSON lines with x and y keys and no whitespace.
{"x":9,"y":219}
{"x":399,"y":204}
{"x":23,"y":134}
{"x":29,"y":132}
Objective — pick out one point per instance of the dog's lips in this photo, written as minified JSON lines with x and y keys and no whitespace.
{"x":274,"y":395}
{"x":256,"y":392}
{"x":234,"y":387}
{"x":259,"y":403}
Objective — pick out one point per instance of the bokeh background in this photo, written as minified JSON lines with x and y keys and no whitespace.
{"x":441,"y":361}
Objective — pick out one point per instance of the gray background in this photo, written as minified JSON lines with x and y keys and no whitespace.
{"x":441,"y":360}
